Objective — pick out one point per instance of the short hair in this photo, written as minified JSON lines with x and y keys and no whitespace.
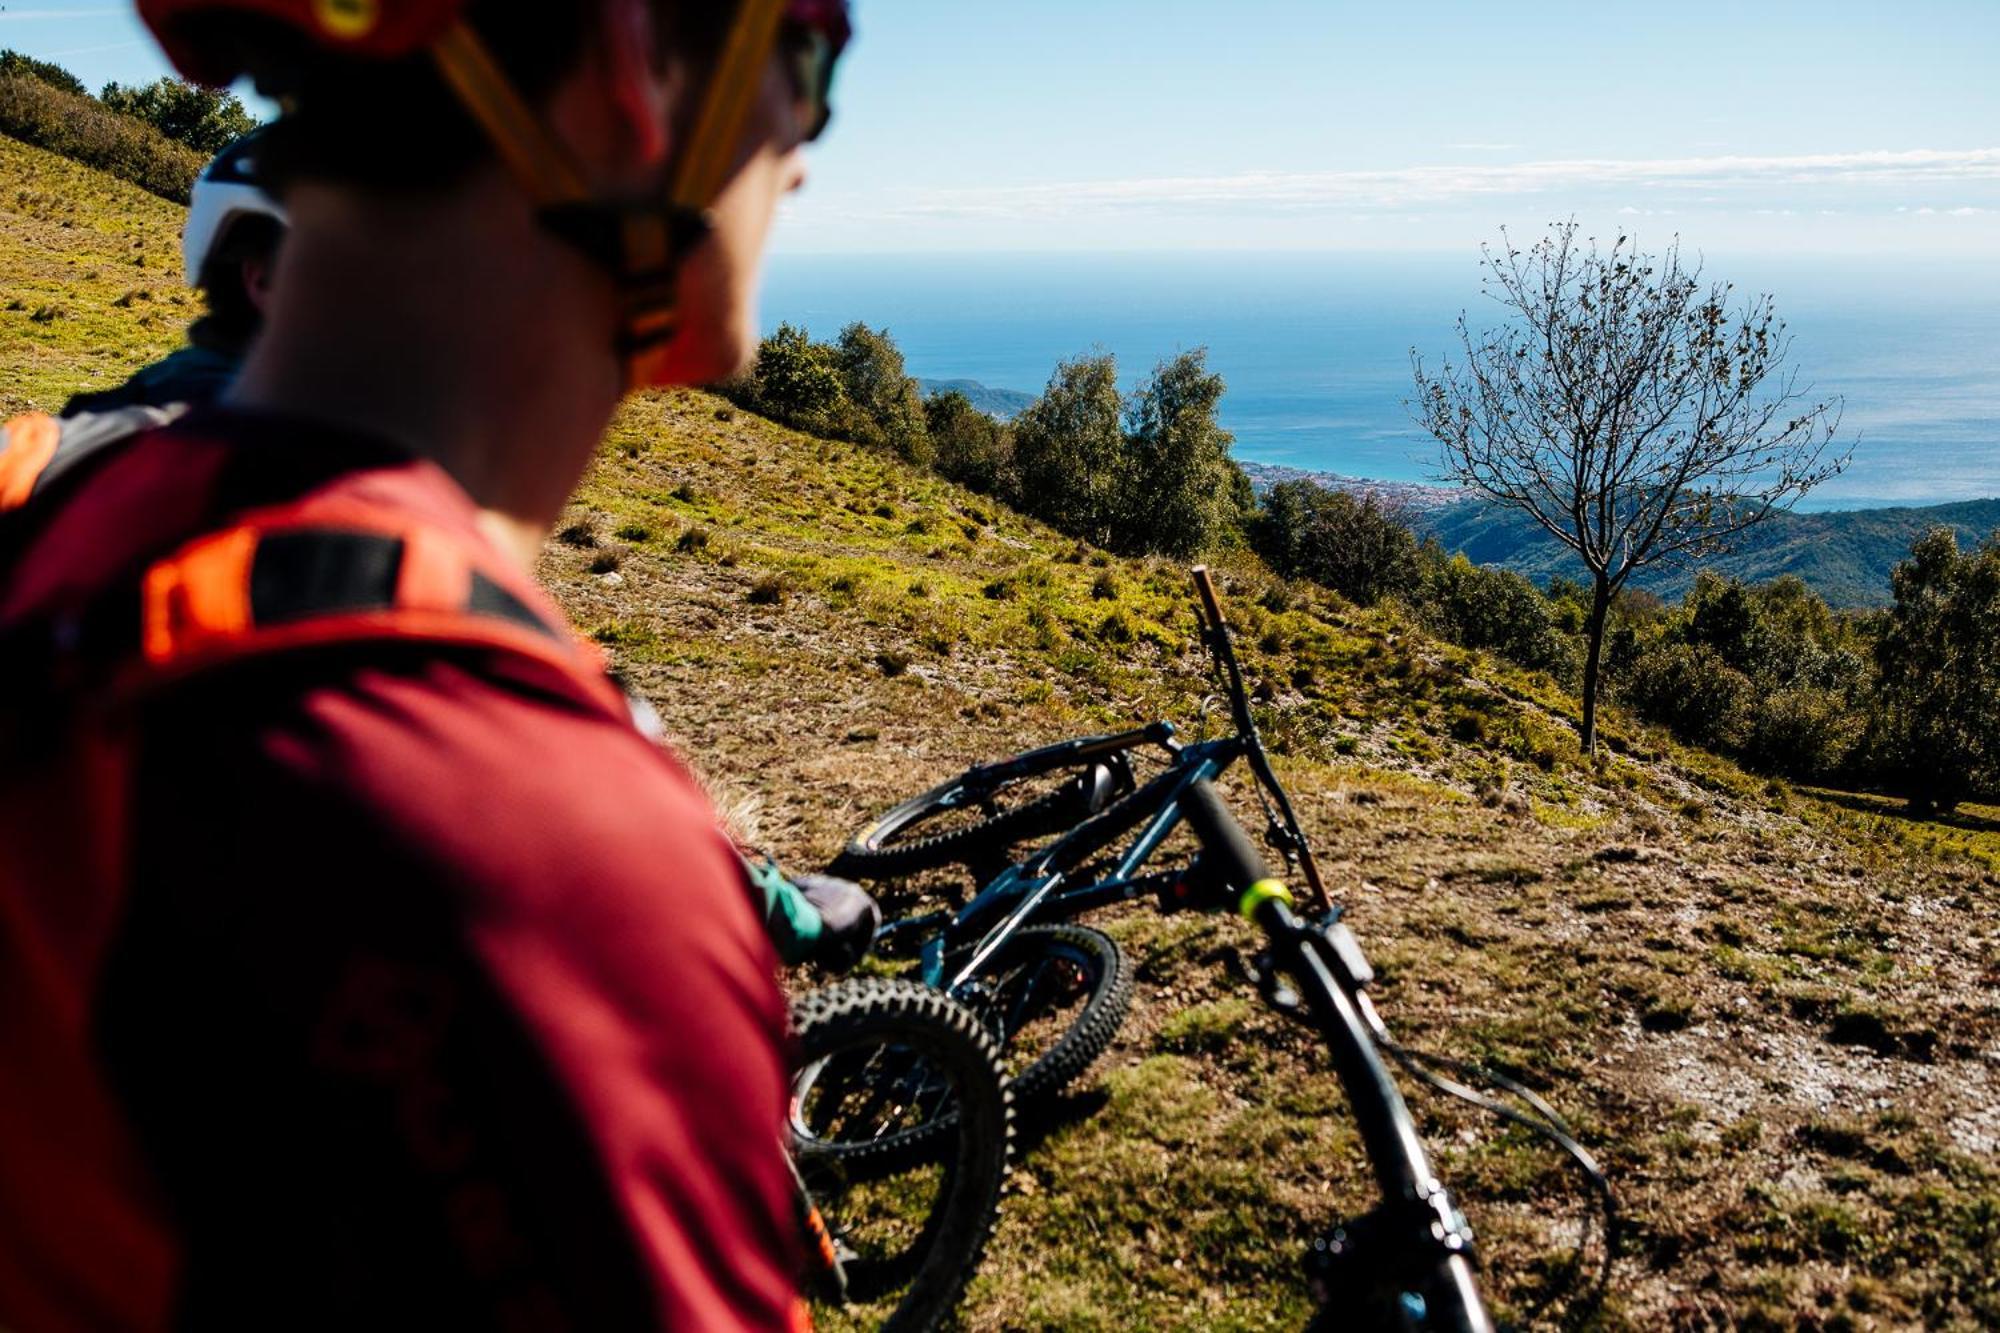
{"x":232,"y":319}
{"x":395,"y":125}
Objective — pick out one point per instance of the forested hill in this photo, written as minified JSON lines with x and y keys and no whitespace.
{"x":1844,"y":557}
{"x":1001,"y":403}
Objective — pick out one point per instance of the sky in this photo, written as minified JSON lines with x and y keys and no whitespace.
{"x":1077,"y":125}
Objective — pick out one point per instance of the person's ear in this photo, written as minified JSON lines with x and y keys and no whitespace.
{"x":639,"y":89}
{"x":256,"y":276}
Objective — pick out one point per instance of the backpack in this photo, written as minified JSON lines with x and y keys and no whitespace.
{"x":77,"y":1213}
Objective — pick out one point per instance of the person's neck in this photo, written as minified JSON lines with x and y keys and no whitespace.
{"x":456,"y":328}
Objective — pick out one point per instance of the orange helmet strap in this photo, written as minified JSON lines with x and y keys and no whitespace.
{"x":640,"y":243}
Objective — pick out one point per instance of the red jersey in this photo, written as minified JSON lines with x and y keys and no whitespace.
{"x":376,"y":982}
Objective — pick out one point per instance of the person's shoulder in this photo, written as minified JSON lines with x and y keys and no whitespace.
{"x":485,"y":761}
{"x":191,"y":376}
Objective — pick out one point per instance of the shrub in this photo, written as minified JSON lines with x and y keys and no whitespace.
{"x":14,"y":63}
{"x":1938,"y":704}
{"x":888,"y":407}
{"x":1806,"y":733}
{"x":1353,"y":546}
{"x":1495,"y":609}
{"x":1689,"y":688}
{"x":83,"y":130}
{"x":769,"y":590}
{"x":970,"y":447}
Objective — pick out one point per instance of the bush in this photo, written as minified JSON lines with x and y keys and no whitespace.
{"x":1689,"y":688}
{"x":14,"y":63}
{"x":207,"y":120}
{"x":83,"y":130}
{"x":970,"y":447}
{"x":1355,"y":547}
{"x":1938,"y":704}
{"x":888,"y":408}
{"x":1494,"y":609}
{"x":1806,"y":734}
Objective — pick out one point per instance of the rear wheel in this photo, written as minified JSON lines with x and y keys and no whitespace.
{"x":901,"y":1128}
{"x":975,"y":814}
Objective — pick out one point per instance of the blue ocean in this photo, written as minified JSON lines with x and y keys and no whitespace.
{"x":1316,"y":348}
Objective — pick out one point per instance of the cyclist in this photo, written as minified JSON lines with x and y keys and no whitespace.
{"x":229,"y":248}
{"x":360,"y":963}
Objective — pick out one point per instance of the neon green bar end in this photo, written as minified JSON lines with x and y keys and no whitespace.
{"x":1263,"y":891}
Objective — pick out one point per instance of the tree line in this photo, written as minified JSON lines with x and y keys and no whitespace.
{"x":1144,"y":472}
{"x":158,"y":135}
{"x":1904,"y":700}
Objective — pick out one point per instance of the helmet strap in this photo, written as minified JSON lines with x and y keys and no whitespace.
{"x":639,"y":243}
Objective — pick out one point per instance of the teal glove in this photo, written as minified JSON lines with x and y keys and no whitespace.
{"x":818,"y":919}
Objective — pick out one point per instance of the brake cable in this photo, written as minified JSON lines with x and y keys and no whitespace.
{"x":1543,"y":1120}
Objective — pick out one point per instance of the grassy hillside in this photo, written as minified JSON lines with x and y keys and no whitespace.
{"x":1844,"y":557}
{"x":1773,"y":1015}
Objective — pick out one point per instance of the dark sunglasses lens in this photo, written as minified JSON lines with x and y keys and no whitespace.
{"x":811,"y":63}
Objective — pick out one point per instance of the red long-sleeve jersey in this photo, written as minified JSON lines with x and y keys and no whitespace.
{"x":369,"y":982}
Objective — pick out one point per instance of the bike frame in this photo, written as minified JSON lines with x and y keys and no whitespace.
{"x":1037,"y":888}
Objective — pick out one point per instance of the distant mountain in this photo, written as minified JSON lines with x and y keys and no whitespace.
{"x":1845,"y":557}
{"x":1411,"y":496}
{"x":1002,"y":403}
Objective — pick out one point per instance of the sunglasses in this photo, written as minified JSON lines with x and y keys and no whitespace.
{"x":810,"y":42}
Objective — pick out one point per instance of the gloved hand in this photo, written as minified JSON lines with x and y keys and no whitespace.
{"x":848,"y":917}
{"x":814,"y":918}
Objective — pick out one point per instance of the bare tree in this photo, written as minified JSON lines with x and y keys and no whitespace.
{"x":1623,"y":406}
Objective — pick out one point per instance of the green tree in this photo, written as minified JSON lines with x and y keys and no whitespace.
{"x":1069,"y":451}
{"x":794,"y":380}
{"x":870,"y":366}
{"x":205,"y":119}
{"x":971,"y":448}
{"x":1178,"y":494}
{"x":1938,"y":707}
{"x":1623,"y":405}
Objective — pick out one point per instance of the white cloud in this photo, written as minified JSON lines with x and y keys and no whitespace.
{"x":1721,"y":177}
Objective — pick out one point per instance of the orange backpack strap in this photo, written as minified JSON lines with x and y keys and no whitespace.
{"x":37,"y":448}
{"x":325,"y":575}
{"x":27,"y":443}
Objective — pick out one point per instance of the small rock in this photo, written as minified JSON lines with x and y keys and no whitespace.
{"x":612,"y":580}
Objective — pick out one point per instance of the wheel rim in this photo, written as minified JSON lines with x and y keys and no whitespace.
{"x":1032,"y":1003}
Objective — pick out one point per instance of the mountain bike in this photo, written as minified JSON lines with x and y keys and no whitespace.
{"x":1008,"y":956}
{"x":1057,"y":993}
{"x":897,"y":1209}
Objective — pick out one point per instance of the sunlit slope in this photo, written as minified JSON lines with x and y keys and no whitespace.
{"x":1771,"y":1016}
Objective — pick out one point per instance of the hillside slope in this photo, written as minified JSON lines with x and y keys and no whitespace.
{"x":1773,"y":1018}
{"x":1845,"y":557}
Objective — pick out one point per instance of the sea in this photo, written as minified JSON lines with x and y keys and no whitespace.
{"x":1316,"y":348}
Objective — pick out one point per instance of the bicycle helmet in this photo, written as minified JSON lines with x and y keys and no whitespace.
{"x":639,"y":243}
{"x":227,"y":191}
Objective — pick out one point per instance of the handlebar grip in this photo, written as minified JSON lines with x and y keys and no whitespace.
{"x":1210,"y":603}
{"x":1235,"y":857}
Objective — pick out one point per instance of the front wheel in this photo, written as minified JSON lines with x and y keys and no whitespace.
{"x":1056,"y":997}
{"x":901,"y":1129}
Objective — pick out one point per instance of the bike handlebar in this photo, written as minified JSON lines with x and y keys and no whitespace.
{"x":1422,"y":1277}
